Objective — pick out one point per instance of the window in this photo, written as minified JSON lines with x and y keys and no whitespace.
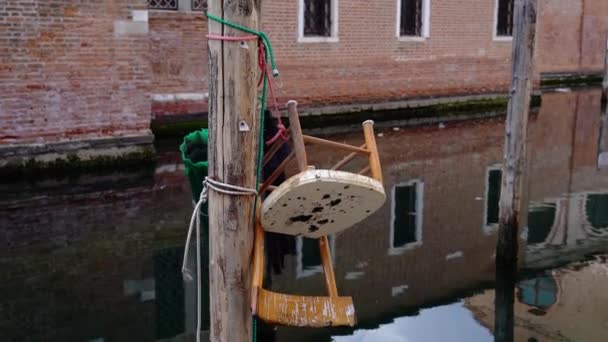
{"x":596,"y":210}
{"x":413,"y":18}
{"x":406,"y":221}
{"x":182,"y":5}
{"x":493,"y":184}
{"x":503,"y":19}
{"x":539,"y":292}
{"x":541,"y":219}
{"x":318,"y":21}
{"x":162,"y":4}
{"x":199,"y":5}
{"x":309,"y":257}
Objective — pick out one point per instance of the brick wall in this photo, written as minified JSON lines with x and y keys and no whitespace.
{"x":178,"y":50}
{"x":72,"y":70}
{"x":369,"y":63}
{"x":82,"y":70}
{"x":572,"y":35}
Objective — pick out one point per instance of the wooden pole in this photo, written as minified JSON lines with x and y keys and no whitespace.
{"x":605,"y":83}
{"x":603,"y":113}
{"x":234,"y":124}
{"x":514,"y":166}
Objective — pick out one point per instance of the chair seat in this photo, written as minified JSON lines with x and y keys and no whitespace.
{"x":305,"y":311}
{"x":315,"y":203}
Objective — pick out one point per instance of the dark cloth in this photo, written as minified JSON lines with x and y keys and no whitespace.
{"x":277,"y":245}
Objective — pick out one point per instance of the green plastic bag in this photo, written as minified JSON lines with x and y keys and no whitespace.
{"x":194,"y":156}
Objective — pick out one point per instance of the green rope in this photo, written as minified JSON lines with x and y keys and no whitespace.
{"x":262,"y":35}
{"x":269,"y":55}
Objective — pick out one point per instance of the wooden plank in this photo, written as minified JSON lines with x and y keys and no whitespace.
{"x":374,"y":158}
{"x":258,"y":261}
{"x":276,"y":173}
{"x":333,"y":144}
{"x":233,"y":91}
{"x":328,"y":267}
{"x":514,"y":166}
{"x":296,"y":135}
{"x":305,"y":311}
{"x":364,"y":170}
{"x":347,"y":159}
{"x":275,"y":148}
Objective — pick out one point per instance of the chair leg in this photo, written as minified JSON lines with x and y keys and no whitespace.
{"x":328,"y":267}
{"x":258,"y":264}
{"x":297,"y":136}
{"x":370,"y":142}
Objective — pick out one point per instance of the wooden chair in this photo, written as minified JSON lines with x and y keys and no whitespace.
{"x":314,"y":203}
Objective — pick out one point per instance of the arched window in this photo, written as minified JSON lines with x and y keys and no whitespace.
{"x":596,"y":210}
{"x":540,"y":222}
{"x":540,"y":293}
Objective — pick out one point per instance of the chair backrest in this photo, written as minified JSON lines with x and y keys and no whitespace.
{"x":298,"y":142}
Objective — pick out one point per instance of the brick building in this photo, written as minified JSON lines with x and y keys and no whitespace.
{"x":88,"y":77}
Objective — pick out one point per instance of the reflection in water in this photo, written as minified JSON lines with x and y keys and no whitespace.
{"x":565,"y":304}
{"x":540,"y":223}
{"x":84,"y":262}
{"x":597,"y":215}
{"x":457,"y":324}
{"x":540,"y":292}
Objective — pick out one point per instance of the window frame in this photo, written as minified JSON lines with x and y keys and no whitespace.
{"x":419,"y":217}
{"x":554,"y":227}
{"x":333,"y":38}
{"x":426,"y":23}
{"x":164,"y":9}
{"x":300,"y":271}
{"x":492,"y":227}
{"x":182,"y":6}
{"x":495,"y":36}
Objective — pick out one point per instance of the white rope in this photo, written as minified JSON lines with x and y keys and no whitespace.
{"x":195,"y":220}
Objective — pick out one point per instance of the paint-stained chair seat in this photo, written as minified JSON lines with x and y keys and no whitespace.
{"x":314,"y":203}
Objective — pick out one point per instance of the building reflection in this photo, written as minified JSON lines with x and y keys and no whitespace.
{"x":435,"y":237}
{"x":566,"y":304}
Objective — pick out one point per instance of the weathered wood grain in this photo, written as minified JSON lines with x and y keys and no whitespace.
{"x":233,"y":75}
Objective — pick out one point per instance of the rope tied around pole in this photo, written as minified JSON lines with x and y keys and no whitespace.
{"x":195,"y":221}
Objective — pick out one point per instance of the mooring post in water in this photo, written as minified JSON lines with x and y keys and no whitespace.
{"x":234,"y":124}
{"x":514,"y":166}
{"x":601,"y":155}
{"x":605,"y":82}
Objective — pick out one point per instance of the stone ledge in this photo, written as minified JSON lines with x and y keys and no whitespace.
{"x":340,"y":117}
{"x":36,"y":150}
{"x":570,"y":79}
{"x":395,"y":105}
{"x":60,"y":159}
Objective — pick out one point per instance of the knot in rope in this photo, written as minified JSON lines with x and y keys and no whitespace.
{"x":195,"y":221}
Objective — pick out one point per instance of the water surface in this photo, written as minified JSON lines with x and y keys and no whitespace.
{"x":98,"y":258}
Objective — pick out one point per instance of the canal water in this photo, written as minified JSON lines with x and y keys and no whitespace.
{"x":97,"y":258}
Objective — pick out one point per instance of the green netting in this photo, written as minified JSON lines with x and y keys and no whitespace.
{"x":194,"y":156}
